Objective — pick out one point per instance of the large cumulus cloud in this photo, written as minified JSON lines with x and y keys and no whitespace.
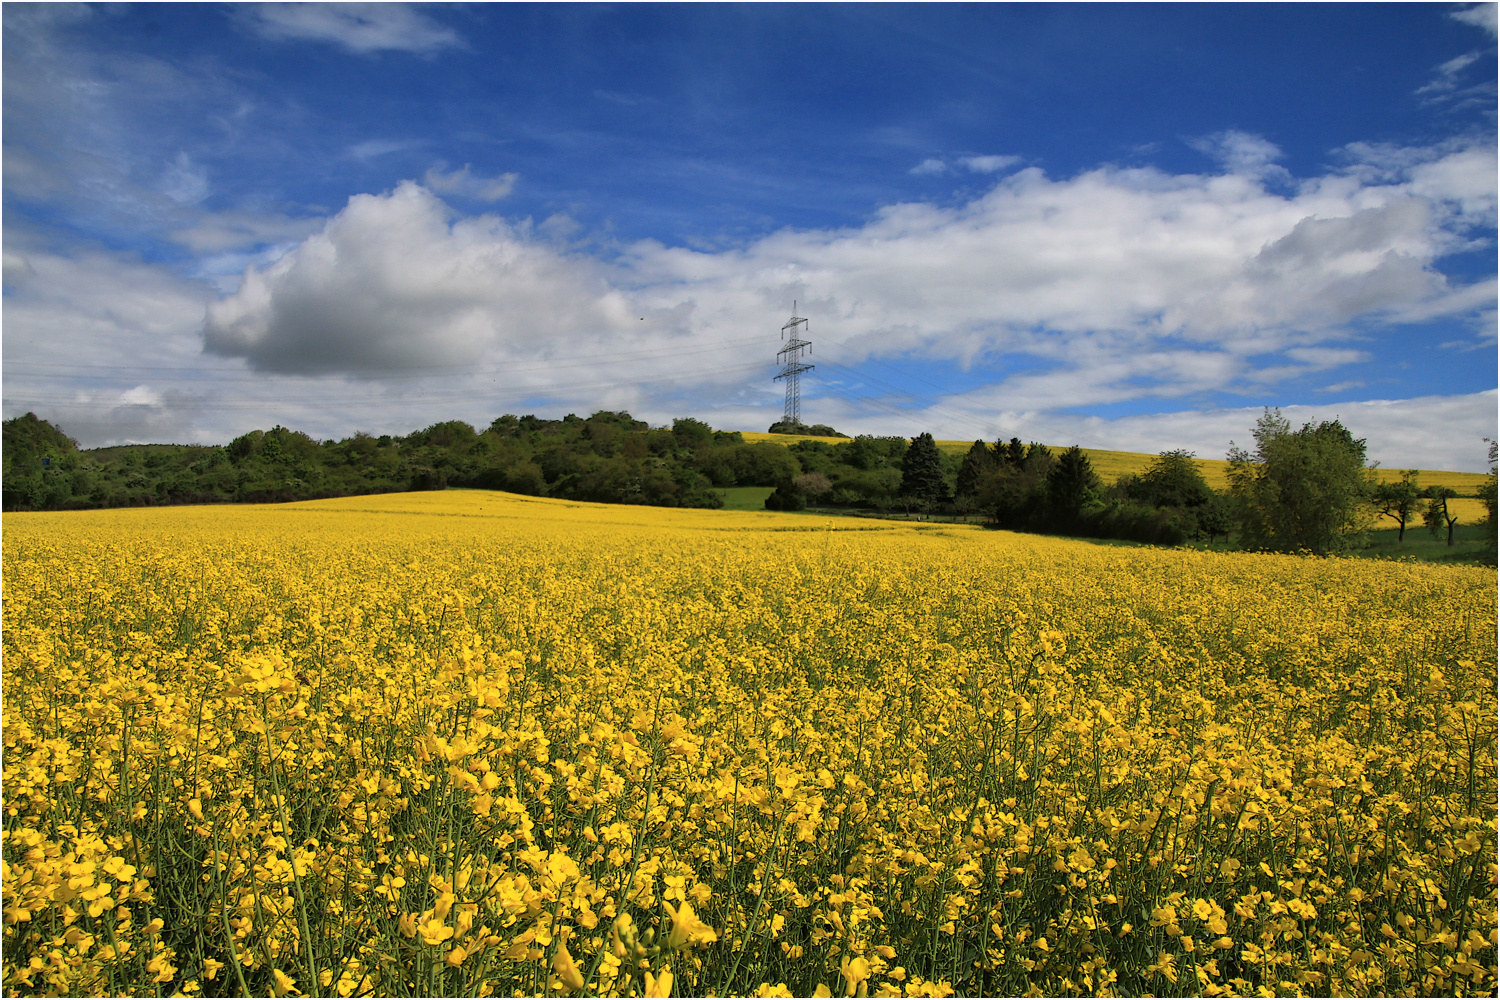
{"x":393,"y":282}
{"x":1121,"y":283}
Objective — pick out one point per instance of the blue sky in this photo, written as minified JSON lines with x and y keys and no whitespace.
{"x":1120,"y":225}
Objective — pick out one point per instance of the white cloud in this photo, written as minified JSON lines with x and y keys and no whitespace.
{"x":98,"y":308}
{"x":392,"y":282}
{"x":1429,"y":432}
{"x":469,"y":185}
{"x":359,"y":27}
{"x":216,"y":232}
{"x":1127,"y":283}
{"x":88,"y":339}
{"x":1241,"y":153}
{"x":1116,"y":286}
{"x":1447,"y":74}
{"x":1481,"y":15}
{"x":929,"y":166}
{"x":988,"y":164}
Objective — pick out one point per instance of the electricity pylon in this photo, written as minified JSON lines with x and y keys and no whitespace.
{"x":792,"y":365}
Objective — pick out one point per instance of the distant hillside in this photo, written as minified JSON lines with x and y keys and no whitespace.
{"x":1111,"y":465}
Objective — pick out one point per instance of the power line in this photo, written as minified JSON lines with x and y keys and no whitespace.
{"x":366,"y":374}
{"x":325,"y":399}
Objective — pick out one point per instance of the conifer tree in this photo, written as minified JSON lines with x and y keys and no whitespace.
{"x":922,"y":472}
{"x":977,"y":462}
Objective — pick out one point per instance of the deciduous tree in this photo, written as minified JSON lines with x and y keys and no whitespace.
{"x":1299,"y":490}
{"x":1437,"y":516}
{"x":1399,"y":500}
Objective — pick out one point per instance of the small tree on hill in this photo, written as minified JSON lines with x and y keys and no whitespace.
{"x":1399,"y":500}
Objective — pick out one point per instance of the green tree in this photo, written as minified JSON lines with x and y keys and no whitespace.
{"x":1172,"y":479}
{"x":979,"y":460}
{"x":1399,"y":500}
{"x":690,"y":433}
{"x":786,"y":496}
{"x":1072,"y":484}
{"x":1299,"y":490}
{"x":1216,"y":517}
{"x":1437,"y":516}
{"x":1487,"y":492}
{"x":922,"y":476}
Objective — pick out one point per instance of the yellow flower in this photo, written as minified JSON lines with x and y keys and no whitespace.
{"x":284,"y":983}
{"x":434,"y":931}
{"x":660,"y":986}
{"x":855,"y":971}
{"x":687,"y":929}
{"x":565,"y":968}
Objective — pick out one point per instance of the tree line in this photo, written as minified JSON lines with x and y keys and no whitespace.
{"x":1308,"y":489}
{"x":608,"y":457}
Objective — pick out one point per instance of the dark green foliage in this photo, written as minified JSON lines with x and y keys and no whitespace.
{"x":1014,"y":491}
{"x":690,"y":433}
{"x":609,"y":457}
{"x":1216,"y":517}
{"x":1072,"y":485}
{"x":816,"y":456}
{"x":1171,"y":480}
{"x":977,"y":462}
{"x":786,"y":497}
{"x":1436,"y":515}
{"x":1487,"y":494}
{"x":922,"y":473}
{"x":27,"y":436}
{"x":812,"y":430}
{"x":866,"y":452}
{"x":1299,"y":490}
{"x":1399,"y":500}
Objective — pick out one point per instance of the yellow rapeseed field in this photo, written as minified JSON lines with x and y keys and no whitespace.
{"x":1111,"y":465}
{"x":465,"y":743}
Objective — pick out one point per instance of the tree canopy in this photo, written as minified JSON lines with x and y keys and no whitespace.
{"x":1300,"y":490}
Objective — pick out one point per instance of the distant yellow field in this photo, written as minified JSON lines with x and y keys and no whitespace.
{"x":754,"y":436}
{"x":1111,"y":465}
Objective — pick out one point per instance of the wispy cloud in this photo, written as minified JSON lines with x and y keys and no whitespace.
{"x":371,"y":149}
{"x":1241,"y":153}
{"x":1481,"y":15}
{"x":361,"y":28}
{"x":464,"y":183}
{"x":185,"y":182}
{"x":988,"y":164}
{"x":976,"y":164}
{"x":1448,"y":73}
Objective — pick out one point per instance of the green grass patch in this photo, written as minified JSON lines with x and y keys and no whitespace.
{"x":745,"y":497}
{"x":1471,"y":543}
